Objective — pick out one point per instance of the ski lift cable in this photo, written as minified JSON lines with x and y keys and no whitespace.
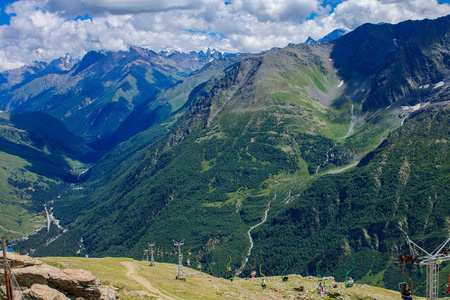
{"x":439,"y":249}
{"x":411,"y":242}
{"x":318,"y":275}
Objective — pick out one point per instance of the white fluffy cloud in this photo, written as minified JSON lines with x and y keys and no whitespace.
{"x":47,"y":29}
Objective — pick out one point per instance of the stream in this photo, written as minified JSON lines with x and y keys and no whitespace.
{"x":350,"y":130}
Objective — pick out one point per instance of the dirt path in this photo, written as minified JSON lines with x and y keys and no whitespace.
{"x":131,"y":273}
{"x":12,"y":231}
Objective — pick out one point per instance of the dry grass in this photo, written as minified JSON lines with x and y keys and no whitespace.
{"x":161,"y":278}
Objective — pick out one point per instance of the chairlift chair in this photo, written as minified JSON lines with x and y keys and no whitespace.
{"x":253,"y":272}
{"x":448,"y":285}
{"x":349,"y":284}
{"x":285,"y":278}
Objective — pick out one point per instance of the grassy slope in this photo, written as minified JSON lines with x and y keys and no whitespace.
{"x":202,"y":286}
{"x":30,"y":163}
{"x":16,"y":221}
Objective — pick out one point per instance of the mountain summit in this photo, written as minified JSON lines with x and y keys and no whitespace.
{"x":335,"y":34}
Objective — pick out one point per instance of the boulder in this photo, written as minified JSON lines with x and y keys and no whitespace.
{"x":43,"y":292}
{"x":72,"y":283}
{"x":19,"y":261}
{"x":85,"y":278}
{"x":75,"y":283}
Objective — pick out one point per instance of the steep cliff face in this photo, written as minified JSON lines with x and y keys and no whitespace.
{"x":403,"y":63}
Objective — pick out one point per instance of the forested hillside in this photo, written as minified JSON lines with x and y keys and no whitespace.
{"x":399,"y":189}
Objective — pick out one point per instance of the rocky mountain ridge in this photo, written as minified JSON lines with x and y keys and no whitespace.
{"x":335,"y":34}
{"x":93,"y":95}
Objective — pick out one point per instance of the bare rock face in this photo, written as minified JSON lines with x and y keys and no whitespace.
{"x":70,"y":283}
{"x":83,"y":277}
{"x":19,"y":261}
{"x":43,"y":292}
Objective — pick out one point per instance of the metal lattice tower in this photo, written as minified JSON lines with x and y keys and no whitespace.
{"x":432,"y":261}
{"x":152,"y":258}
{"x":146,"y":254}
{"x":180,"y":275}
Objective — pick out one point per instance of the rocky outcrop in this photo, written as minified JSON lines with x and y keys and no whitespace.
{"x":43,"y":292}
{"x":19,"y":261}
{"x":45,"y":280}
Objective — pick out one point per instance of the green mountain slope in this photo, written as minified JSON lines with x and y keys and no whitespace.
{"x":167,"y":103}
{"x":237,"y":133}
{"x":37,"y":155}
{"x":399,"y":189}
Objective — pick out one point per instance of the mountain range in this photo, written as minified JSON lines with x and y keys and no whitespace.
{"x":307,"y":156}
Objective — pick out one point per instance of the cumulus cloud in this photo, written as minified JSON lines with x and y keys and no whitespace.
{"x":43,"y":30}
{"x":353,"y":13}
{"x":119,"y":7}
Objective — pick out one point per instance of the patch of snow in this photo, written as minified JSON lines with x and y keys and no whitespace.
{"x":416,"y":107}
{"x":438,"y":85}
{"x":426,"y":86}
{"x":341,"y":84}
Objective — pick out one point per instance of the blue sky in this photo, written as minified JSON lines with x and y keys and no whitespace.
{"x":4,"y":17}
{"x":42,"y":30}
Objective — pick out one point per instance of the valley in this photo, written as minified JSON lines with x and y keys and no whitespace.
{"x":297,"y":159}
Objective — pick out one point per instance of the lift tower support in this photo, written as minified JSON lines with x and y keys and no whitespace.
{"x":180,"y":275}
{"x":432,"y":261}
